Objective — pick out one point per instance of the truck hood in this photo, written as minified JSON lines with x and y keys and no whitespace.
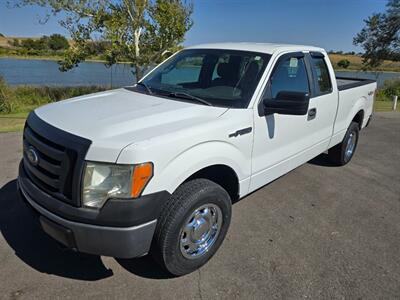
{"x":114,"y":119}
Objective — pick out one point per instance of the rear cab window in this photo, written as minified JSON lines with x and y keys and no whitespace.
{"x":322,"y":79}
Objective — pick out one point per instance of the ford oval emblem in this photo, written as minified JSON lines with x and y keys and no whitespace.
{"x":32,"y":156}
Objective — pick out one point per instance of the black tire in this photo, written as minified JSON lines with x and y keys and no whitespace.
{"x":337,"y":154}
{"x":166,"y":248}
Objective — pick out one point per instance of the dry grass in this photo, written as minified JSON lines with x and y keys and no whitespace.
{"x":356,"y":63}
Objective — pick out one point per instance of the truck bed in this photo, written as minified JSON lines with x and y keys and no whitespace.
{"x":345,"y":83}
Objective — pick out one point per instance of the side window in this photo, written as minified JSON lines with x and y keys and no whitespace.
{"x":186,"y":70}
{"x":290,"y":75}
{"x":321,"y":74}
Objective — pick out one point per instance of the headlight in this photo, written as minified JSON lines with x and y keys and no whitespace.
{"x":104,"y":181}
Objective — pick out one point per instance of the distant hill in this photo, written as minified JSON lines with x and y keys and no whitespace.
{"x":4,"y":40}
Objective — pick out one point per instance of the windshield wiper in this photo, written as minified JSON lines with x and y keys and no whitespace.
{"x":145,"y":86}
{"x":184,"y":95}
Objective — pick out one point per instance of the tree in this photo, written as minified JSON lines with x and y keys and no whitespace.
{"x":139,"y":31}
{"x":380,"y":38}
{"x":57,"y":42}
{"x":28,"y":44}
{"x":344,"y":63}
{"x":14,"y":42}
{"x":34,"y":44}
{"x":1,"y":35}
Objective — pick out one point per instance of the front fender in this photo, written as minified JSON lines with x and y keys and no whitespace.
{"x":177,"y":169}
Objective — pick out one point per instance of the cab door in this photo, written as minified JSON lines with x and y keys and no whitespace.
{"x":283,"y":142}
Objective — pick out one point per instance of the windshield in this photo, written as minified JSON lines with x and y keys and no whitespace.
{"x":217,"y":77}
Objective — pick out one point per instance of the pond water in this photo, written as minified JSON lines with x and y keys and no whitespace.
{"x":380,"y":77}
{"x":45,"y":72}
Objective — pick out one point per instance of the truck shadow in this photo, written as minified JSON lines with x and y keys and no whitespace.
{"x":21,"y":230}
{"x":322,"y":160}
{"x":144,"y":267}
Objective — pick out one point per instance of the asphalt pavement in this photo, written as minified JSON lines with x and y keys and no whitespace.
{"x":319,"y":232}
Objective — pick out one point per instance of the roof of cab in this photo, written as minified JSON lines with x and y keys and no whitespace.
{"x":269,"y":48}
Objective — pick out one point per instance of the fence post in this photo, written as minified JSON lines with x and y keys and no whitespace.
{"x":394,"y":102}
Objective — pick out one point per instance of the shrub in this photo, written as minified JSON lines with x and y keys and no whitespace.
{"x":31,"y":44}
{"x":33,"y":52}
{"x":57,"y":42}
{"x":344,"y":63}
{"x":98,"y":47}
{"x":14,"y":43}
{"x":391,"y":87}
{"x":380,"y":96}
{"x":5,"y":106}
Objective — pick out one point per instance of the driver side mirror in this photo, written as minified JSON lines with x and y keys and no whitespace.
{"x":287,"y":103}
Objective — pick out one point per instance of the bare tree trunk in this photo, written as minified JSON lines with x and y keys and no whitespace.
{"x":138,"y":69}
{"x":138,"y":72}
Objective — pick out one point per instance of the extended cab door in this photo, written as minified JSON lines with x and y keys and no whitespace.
{"x":283,"y":142}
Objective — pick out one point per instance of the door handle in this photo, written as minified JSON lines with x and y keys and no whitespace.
{"x":312,"y":113}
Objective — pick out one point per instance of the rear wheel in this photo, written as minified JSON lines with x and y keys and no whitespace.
{"x":192,"y":226}
{"x":342,"y":153}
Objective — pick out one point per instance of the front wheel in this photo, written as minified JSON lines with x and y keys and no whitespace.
{"x":192,"y":226}
{"x":342,"y":153}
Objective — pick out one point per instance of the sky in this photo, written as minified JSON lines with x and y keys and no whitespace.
{"x":330,"y":24}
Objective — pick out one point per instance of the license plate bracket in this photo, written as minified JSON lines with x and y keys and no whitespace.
{"x":58,"y":232}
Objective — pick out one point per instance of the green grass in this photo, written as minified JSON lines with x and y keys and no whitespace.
{"x":17,"y":102}
{"x":385,"y":106}
{"x":12,"y":122}
{"x":23,"y":99}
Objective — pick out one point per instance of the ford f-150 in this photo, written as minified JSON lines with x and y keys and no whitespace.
{"x":154,"y":167}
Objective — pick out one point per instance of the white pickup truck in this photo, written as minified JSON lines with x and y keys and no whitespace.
{"x":154,"y":168}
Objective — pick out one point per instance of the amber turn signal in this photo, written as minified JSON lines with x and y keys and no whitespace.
{"x":141,"y":176}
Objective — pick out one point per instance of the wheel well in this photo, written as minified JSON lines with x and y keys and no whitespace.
{"x":358,"y":118}
{"x":222,"y":175}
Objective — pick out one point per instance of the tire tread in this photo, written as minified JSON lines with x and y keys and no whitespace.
{"x":179,"y":200}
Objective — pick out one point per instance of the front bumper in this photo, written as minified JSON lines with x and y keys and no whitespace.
{"x":96,"y":237}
